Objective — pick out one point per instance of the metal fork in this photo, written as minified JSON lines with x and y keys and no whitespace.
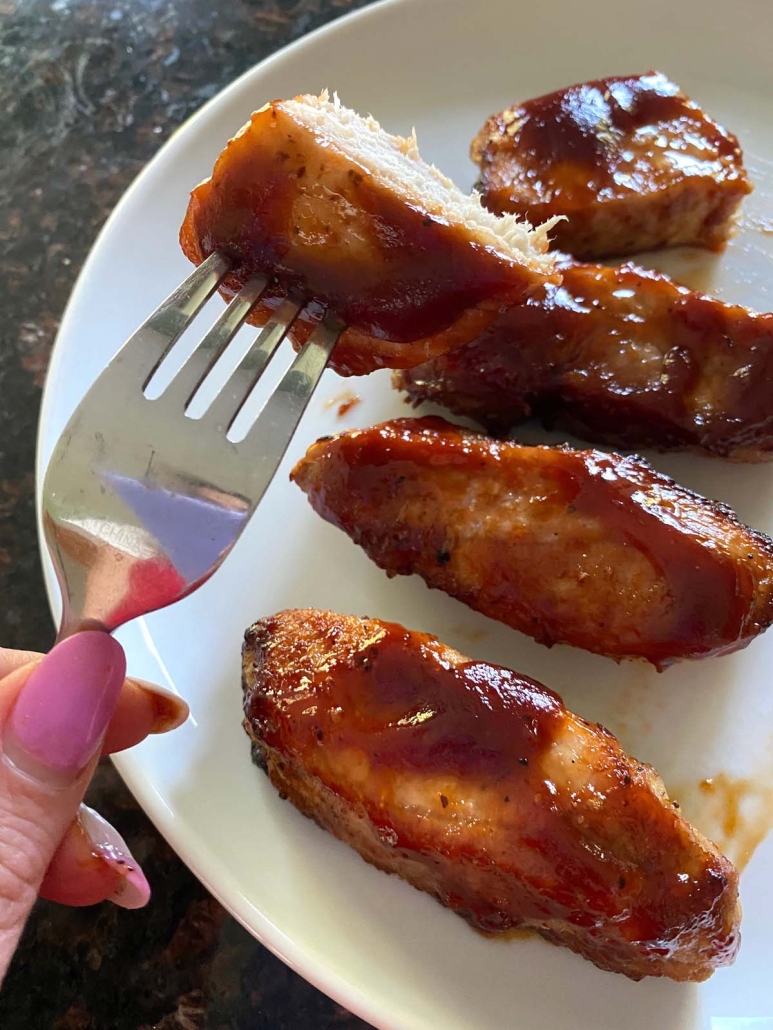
{"x":142,"y":503}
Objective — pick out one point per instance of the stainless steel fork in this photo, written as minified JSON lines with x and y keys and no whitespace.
{"x":142,"y":503}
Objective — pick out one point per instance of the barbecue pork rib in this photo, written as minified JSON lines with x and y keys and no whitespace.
{"x":335,"y":211}
{"x":620,"y":356}
{"x":631,"y":162}
{"x":579,"y":547}
{"x":476,"y":785}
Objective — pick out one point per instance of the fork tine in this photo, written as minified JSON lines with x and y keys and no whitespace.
{"x":185,"y":384}
{"x":225,"y":407}
{"x":270,"y":434}
{"x":146,"y":348}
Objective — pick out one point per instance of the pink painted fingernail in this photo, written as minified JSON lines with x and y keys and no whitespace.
{"x":62,"y":711}
{"x":108,"y":844}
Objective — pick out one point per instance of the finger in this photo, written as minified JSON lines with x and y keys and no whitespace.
{"x":11,"y":660}
{"x":93,"y":864}
{"x":53,"y":718}
{"x":142,"y":709}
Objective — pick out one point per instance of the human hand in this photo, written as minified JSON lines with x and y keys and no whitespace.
{"x":58,"y":714}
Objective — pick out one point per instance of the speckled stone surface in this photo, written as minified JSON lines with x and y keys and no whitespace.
{"x":89,"y":90}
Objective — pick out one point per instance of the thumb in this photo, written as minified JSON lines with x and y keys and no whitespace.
{"x":53,"y":717}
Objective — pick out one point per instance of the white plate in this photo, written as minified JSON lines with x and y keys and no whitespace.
{"x":381,"y":948}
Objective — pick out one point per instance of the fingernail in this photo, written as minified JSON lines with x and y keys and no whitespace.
{"x":170,"y":711}
{"x":62,"y":711}
{"x":108,"y":844}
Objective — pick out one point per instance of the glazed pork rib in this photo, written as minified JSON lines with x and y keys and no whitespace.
{"x":476,"y":785}
{"x":621,"y":356}
{"x":579,"y":547}
{"x":631,"y":162}
{"x":335,"y":210}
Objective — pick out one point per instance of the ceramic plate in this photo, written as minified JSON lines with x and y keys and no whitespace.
{"x":379,"y":947}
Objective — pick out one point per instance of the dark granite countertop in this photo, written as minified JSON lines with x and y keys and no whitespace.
{"x":88,"y":93}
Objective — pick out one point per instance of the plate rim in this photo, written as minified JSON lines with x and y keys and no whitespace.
{"x":203,"y":862}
